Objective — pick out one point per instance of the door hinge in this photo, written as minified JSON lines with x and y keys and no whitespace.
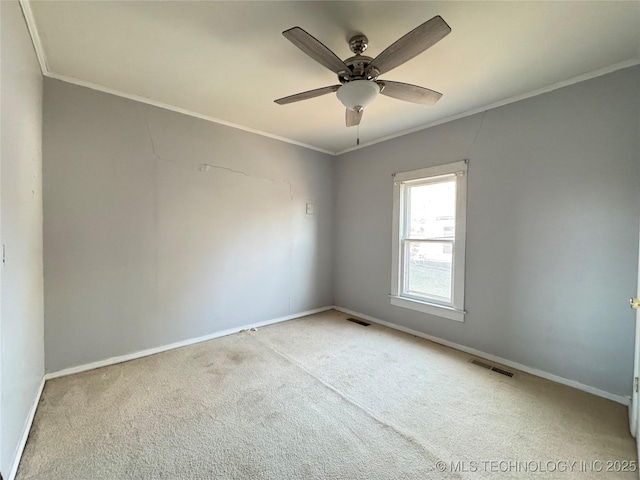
{"x":634,"y":302}
{"x":635,"y":384}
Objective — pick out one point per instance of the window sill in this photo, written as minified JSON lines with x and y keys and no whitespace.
{"x":430,"y":308}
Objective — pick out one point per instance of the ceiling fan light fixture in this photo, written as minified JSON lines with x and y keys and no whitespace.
{"x":358,"y":94}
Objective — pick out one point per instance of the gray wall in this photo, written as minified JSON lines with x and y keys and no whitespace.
{"x":21,"y":318}
{"x":144,"y":246}
{"x":552,"y":229}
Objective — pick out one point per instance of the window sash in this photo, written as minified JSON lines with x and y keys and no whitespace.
{"x":438,"y":174}
{"x":405,"y":192}
{"x":432,"y":298}
{"x":430,"y":239}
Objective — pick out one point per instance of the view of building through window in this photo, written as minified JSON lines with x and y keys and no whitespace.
{"x":429,"y":238}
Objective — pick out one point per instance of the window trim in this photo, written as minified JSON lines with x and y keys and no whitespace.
{"x":455,"y":311}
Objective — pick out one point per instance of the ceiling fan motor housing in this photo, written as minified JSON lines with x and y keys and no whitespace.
{"x":358,"y":69}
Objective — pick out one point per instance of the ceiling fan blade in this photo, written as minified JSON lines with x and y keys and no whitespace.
{"x":308,"y":94}
{"x":409,"y":93}
{"x":353,"y":118}
{"x":412,"y":44}
{"x":315,"y":49}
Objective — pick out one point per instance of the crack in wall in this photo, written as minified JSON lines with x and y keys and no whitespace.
{"x":205,"y":167}
{"x":153,"y":145}
{"x":477,"y":132}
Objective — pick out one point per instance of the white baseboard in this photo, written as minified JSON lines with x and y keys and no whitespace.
{"x":184,"y":343}
{"x":25,"y":434}
{"x":472,"y":351}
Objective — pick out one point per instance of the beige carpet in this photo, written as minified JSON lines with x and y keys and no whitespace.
{"x":319,"y":398}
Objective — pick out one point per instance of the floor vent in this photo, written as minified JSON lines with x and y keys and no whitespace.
{"x":499,"y":370}
{"x":481,"y":364}
{"x":359,"y":322}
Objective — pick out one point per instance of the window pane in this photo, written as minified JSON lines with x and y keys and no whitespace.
{"x":432,"y":210}
{"x":428,"y":269}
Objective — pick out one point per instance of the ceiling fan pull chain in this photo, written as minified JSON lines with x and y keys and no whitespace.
{"x":358,"y":135}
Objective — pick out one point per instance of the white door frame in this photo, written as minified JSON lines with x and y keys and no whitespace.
{"x":634,"y":408}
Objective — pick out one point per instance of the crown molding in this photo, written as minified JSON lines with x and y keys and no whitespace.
{"x":35,"y":35}
{"x":42,"y":59}
{"x":44,"y":67}
{"x":565,"y":83}
{"x":184,"y":111}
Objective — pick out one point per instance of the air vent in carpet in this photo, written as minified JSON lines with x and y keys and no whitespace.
{"x":492,"y":368}
{"x":480,"y":364}
{"x":502,"y":372}
{"x":359,"y":322}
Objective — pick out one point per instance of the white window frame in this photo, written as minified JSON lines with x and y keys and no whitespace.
{"x":454,"y":310}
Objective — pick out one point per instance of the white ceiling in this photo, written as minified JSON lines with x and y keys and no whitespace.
{"x":229,"y":61}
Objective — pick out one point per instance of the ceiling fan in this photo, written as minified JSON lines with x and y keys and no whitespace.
{"x":358,"y":75}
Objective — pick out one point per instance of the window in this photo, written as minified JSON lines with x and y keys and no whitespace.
{"x":429,"y":217}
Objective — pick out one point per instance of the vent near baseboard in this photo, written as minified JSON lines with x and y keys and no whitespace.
{"x":358,"y":321}
{"x":499,"y":370}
